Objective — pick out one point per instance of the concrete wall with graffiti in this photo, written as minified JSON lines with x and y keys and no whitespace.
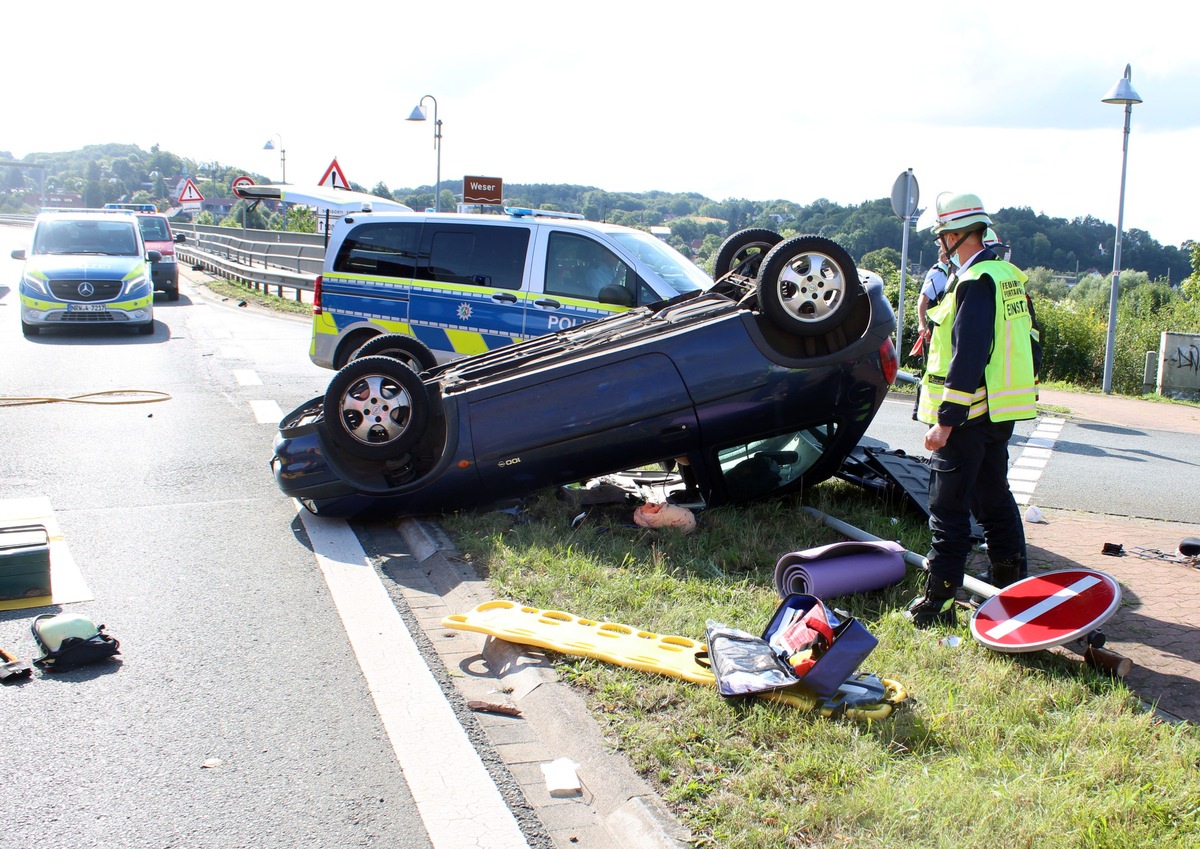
{"x":1179,"y":365}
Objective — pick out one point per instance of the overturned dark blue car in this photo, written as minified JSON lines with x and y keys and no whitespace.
{"x":758,"y":387}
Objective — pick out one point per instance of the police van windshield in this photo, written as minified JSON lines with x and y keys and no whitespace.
{"x":92,"y":236}
{"x":680,"y":273}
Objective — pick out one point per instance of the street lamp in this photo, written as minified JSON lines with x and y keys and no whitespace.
{"x":418,"y":114}
{"x":270,"y":145}
{"x":1122,"y":94}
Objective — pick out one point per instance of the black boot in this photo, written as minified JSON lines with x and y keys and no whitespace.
{"x":935,"y":606}
{"x":1005,"y":572}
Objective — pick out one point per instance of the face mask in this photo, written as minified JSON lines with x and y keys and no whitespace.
{"x":951,"y":255}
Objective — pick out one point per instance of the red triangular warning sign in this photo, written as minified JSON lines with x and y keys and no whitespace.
{"x":189,"y":193}
{"x":334,"y":178}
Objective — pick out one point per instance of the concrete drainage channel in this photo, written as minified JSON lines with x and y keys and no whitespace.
{"x":613,"y":808}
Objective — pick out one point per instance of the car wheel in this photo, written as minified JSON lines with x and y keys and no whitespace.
{"x":376,"y":408}
{"x":808,"y":285}
{"x":30,"y":329}
{"x":743,"y":252}
{"x":399,"y":346}
{"x":173,"y":293}
{"x":146,"y":329}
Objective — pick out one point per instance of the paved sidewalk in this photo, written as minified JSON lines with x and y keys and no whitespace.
{"x":1158,"y":625}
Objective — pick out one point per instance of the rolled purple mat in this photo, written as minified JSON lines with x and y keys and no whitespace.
{"x":840,"y":568}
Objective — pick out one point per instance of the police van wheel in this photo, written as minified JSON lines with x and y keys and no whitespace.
{"x":743,"y":252}
{"x":30,"y":329}
{"x":808,"y":285}
{"x":376,"y":408}
{"x":407,"y":349}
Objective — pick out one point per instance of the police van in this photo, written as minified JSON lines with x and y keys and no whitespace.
{"x":86,"y":266}
{"x":466,"y":283}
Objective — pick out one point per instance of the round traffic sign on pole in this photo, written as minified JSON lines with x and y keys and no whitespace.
{"x":238,"y":183}
{"x":904,"y":195}
{"x":1046,"y":610}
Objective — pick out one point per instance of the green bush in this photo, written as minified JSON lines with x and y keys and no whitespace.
{"x":1072,"y":343}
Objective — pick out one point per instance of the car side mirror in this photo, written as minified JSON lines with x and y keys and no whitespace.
{"x":614,"y":294}
{"x":19,"y":253}
{"x":154,"y":256}
{"x":181,"y":237}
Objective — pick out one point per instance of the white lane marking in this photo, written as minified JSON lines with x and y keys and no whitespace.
{"x":1022,"y":473}
{"x":1027,"y":469}
{"x":1064,"y":595}
{"x":266,"y":412}
{"x":457,"y":799}
{"x":247,"y":377}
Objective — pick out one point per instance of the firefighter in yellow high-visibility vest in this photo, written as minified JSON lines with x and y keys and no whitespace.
{"x":980,"y":379}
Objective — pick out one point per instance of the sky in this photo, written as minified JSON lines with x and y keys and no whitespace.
{"x":755,"y":99}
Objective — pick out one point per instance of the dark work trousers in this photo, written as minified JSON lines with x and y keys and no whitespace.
{"x":970,"y":473}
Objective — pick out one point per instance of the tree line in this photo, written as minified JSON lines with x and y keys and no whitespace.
{"x":1071,"y":248}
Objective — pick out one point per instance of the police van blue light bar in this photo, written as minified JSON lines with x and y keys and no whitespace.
{"x":525,"y":212}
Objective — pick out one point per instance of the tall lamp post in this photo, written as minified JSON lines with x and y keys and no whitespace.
{"x":1122,"y":94}
{"x":270,"y":145}
{"x":418,"y":114}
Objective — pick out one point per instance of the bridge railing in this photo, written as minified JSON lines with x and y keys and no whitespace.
{"x":264,"y":260}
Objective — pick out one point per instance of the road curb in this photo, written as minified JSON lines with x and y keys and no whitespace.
{"x":616,"y":807}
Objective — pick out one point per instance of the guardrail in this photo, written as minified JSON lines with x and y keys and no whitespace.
{"x":261,"y":259}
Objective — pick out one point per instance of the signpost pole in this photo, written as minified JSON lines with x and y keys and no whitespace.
{"x":904,"y":204}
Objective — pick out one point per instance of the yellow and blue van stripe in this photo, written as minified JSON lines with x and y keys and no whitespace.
{"x":448,"y":317}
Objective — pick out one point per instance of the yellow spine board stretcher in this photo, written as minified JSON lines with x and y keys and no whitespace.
{"x":624,"y":645}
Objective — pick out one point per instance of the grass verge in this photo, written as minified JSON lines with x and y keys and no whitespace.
{"x":228,"y":289}
{"x":989,"y":750}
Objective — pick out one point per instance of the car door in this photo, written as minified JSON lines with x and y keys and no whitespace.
{"x":577,"y":279}
{"x":590,"y":418}
{"x":469,"y":294}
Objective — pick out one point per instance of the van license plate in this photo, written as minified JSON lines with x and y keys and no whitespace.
{"x":86,"y":308}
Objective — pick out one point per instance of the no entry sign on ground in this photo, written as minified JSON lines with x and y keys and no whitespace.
{"x":1046,"y":610}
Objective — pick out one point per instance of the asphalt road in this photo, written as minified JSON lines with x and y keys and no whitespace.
{"x":1091,"y":466}
{"x":238,"y":715}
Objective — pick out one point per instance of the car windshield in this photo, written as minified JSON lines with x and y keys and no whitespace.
{"x":108,"y":238}
{"x":680,"y":273}
{"x":756,"y":469}
{"x":154,"y":229}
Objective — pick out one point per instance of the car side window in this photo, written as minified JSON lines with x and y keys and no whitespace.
{"x":477,"y":255}
{"x":578,"y":267}
{"x":387,"y":250}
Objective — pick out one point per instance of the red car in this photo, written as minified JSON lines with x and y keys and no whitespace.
{"x":158,"y":236}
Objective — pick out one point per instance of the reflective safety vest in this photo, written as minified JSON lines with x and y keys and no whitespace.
{"x":1009,"y":391}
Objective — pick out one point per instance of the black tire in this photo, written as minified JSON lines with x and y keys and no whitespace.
{"x":399,"y":346}
{"x":30,"y":329}
{"x":146,"y":329}
{"x":173,"y":293}
{"x":743,"y":252}
{"x":808,"y":285}
{"x":376,"y":408}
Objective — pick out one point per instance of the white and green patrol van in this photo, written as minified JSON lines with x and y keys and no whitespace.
{"x":468,"y":283}
{"x":87,"y":267}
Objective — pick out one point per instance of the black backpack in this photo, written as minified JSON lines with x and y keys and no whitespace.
{"x":68,"y":639}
